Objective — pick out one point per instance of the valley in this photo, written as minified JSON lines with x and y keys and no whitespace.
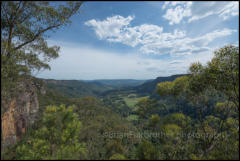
{"x":125,"y":91}
{"x":119,"y":80}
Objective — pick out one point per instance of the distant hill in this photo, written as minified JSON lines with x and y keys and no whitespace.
{"x":82,"y":88}
{"x":103,"y":87}
{"x":76,"y":88}
{"x":150,"y":86}
{"x":119,"y":83}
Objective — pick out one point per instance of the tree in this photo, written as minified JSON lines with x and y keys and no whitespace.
{"x":219,"y":77}
{"x":104,"y":130}
{"x":57,"y":138}
{"x":154,"y":120}
{"x":114,"y":147}
{"x":147,"y":151}
{"x":220,"y":74}
{"x":179,"y":119}
{"x":145,"y":107}
{"x":117,"y":157}
{"x":165,"y":88}
{"x":25,"y":25}
{"x":223,"y":72}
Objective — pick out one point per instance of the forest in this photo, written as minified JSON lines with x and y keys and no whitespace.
{"x":188,"y":116}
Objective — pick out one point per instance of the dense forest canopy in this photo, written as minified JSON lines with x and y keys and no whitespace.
{"x":186,"y":116}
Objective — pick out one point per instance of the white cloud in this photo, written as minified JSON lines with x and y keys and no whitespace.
{"x":175,"y":15}
{"x":117,"y":29}
{"x":176,"y":10}
{"x":165,"y":5}
{"x":113,"y":26}
{"x":204,"y":40}
{"x":197,"y":17}
{"x":174,"y":3}
{"x":151,"y":39}
{"x":231,"y":9}
{"x":223,"y":10}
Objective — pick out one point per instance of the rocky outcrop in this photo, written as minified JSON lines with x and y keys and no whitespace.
{"x":22,"y":112}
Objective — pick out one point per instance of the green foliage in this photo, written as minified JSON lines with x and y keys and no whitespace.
{"x":145,"y":107}
{"x":179,"y":119}
{"x":171,"y":130}
{"x":221,"y":73}
{"x":147,"y":151}
{"x":24,"y":48}
{"x":117,"y":157}
{"x":57,"y":138}
{"x":165,"y":88}
{"x":100,"y":124}
{"x":154,"y":120}
{"x":149,"y":87}
{"x":180,"y":85}
{"x":213,"y":91}
{"x":114,"y":147}
{"x":52,"y":97}
{"x":174,"y":88}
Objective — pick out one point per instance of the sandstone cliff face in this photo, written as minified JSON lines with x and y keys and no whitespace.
{"x":21,"y":113}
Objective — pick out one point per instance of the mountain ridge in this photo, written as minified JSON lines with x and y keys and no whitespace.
{"x":102,"y":87}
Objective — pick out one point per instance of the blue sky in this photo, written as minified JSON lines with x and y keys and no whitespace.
{"x":141,"y":40}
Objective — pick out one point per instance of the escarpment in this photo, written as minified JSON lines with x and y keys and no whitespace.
{"x":21,"y":112}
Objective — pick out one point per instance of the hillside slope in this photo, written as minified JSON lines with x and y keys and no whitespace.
{"x":119,"y":83}
{"x":100,"y":88}
{"x":75,"y":88}
{"x":150,"y":86}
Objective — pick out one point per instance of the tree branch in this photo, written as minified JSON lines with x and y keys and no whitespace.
{"x":36,"y":36}
{"x":5,"y":13}
{"x":11,"y":25}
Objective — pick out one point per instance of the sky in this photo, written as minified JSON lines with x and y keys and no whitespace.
{"x":141,"y":40}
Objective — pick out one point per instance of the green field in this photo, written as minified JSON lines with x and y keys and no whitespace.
{"x":132,"y":117}
{"x":132,"y":101}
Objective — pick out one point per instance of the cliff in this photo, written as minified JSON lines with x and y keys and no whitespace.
{"x":21,"y":112}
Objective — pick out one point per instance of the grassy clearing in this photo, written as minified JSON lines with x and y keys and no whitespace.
{"x":131,"y":102}
{"x":132,"y":117}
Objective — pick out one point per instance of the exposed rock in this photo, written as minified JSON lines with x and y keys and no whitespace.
{"x":21,"y":113}
{"x":8,"y":125}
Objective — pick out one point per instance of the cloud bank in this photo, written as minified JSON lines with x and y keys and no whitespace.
{"x":151,"y":39}
{"x":192,"y":11}
{"x":79,"y":61}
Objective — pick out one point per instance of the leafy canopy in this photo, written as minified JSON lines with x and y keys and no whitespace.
{"x":25,"y":27}
{"x":57,"y":138}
